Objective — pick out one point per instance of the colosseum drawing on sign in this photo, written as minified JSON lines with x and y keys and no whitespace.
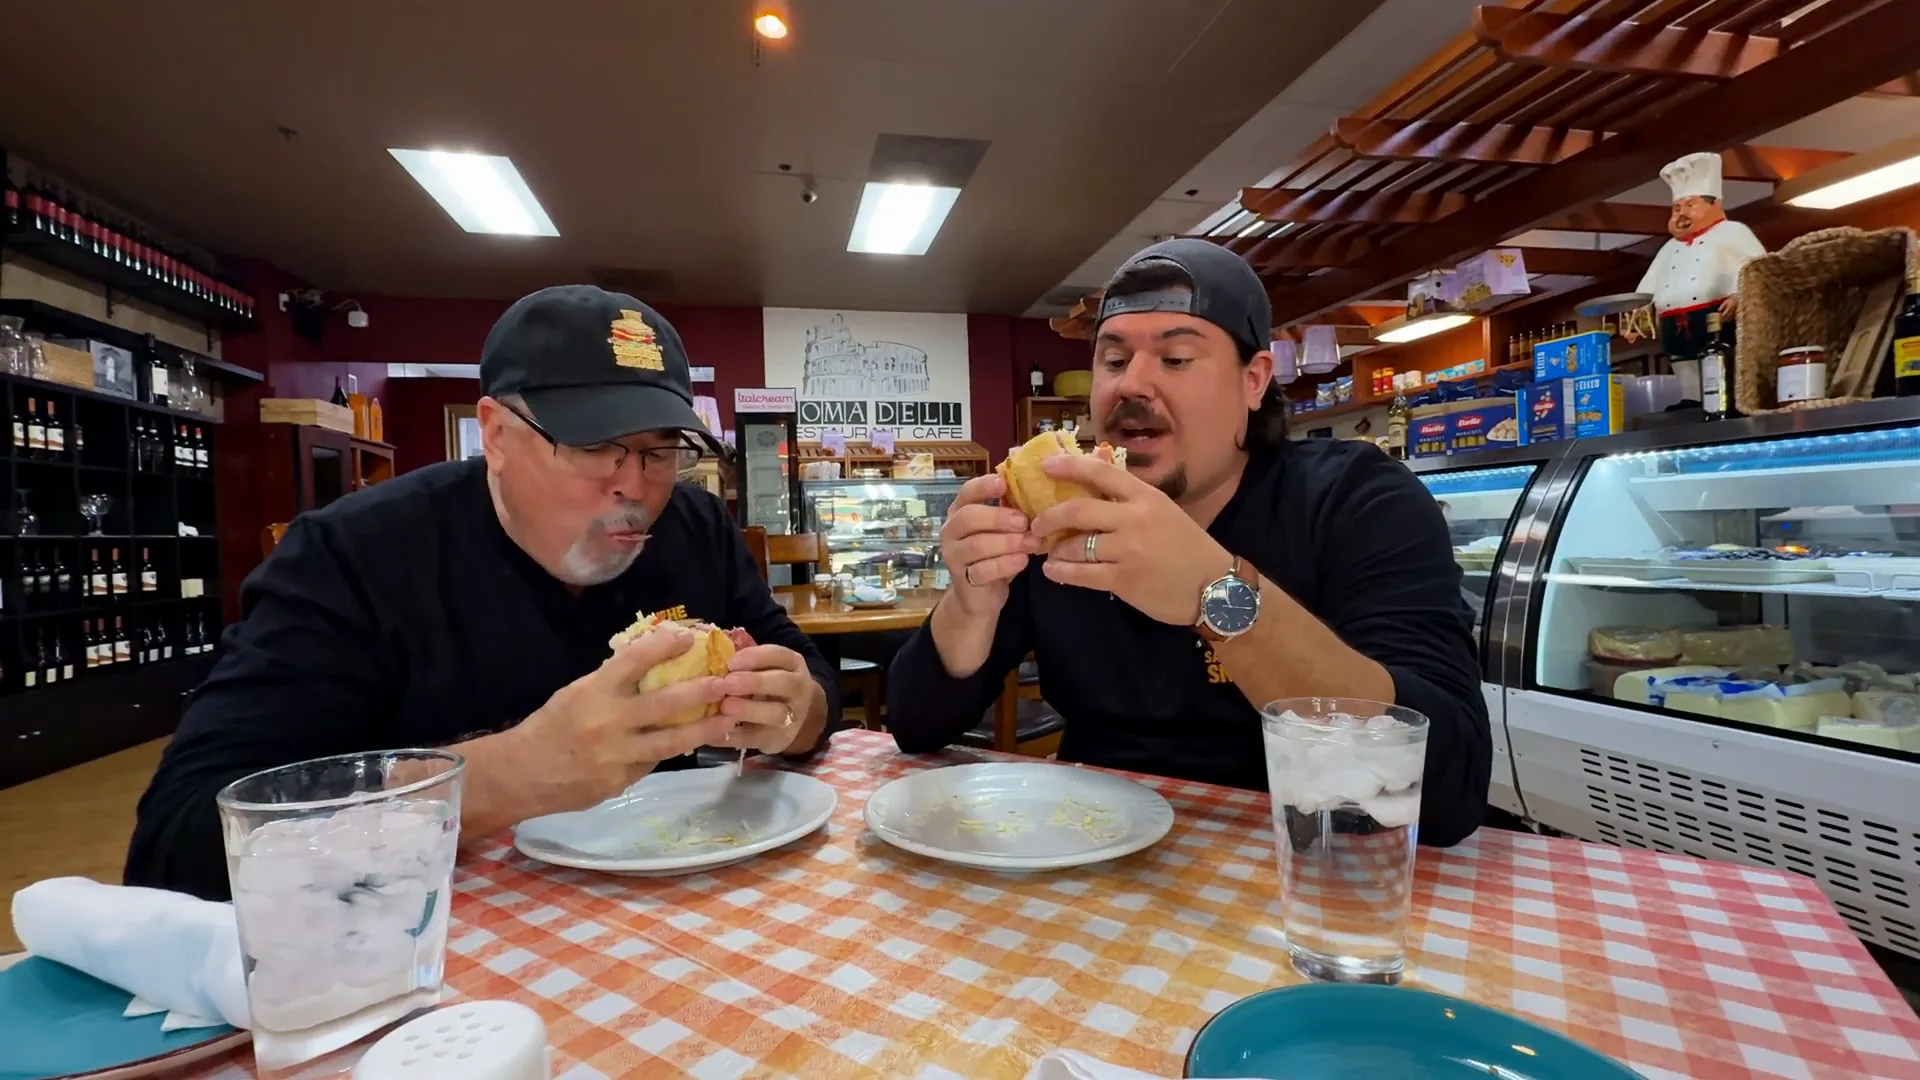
{"x":840,"y":367}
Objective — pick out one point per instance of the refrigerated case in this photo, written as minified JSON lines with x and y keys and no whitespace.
{"x":769,"y":476}
{"x":871,"y":522}
{"x":1482,"y":496}
{"x":1713,"y":648}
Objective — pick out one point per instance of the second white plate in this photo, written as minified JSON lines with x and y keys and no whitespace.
{"x":1018,"y":816}
{"x":682,"y":822}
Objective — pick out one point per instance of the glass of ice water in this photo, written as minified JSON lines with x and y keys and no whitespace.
{"x":341,"y":870}
{"x":1345,"y":779}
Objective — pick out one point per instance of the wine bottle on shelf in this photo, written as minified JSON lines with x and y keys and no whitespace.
{"x":162,"y":645}
{"x":45,"y":583}
{"x":200,"y":449}
{"x":42,"y":670}
{"x":149,"y":577}
{"x":29,"y":578}
{"x":97,"y":578}
{"x":56,"y":431}
{"x":119,"y":571}
{"x":158,"y":385}
{"x":18,"y":445}
{"x":36,"y":431}
{"x":122,"y":644}
{"x":202,"y":643}
{"x":79,"y":439}
{"x":1717,"y":374}
{"x":182,"y":449}
{"x":1906,"y":348}
{"x":60,"y":658}
{"x":93,"y":644}
{"x":62,"y":577}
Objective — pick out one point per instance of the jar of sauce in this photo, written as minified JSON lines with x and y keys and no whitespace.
{"x":1800,"y":374}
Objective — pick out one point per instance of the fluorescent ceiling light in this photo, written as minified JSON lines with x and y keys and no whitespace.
{"x":1257,"y":226}
{"x":1233,"y":224}
{"x":1414,"y":329}
{"x":483,"y":193}
{"x":1851,"y":179}
{"x":899,"y":219}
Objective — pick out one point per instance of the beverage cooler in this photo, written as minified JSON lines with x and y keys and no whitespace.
{"x":1707,"y":641}
{"x":769,"y":471}
{"x":1483,"y":503}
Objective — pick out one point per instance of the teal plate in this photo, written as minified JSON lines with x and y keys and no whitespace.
{"x":1336,"y":1032}
{"x":58,"y":1023}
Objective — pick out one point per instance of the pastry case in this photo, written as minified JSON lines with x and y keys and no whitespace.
{"x":1484,"y":497}
{"x":873,"y":523}
{"x":1718,"y":650}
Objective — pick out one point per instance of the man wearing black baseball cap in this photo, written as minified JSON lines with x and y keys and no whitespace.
{"x":471,"y":603}
{"x":1224,"y":568}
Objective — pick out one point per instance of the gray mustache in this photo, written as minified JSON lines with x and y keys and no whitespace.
{"x":634,"y":520}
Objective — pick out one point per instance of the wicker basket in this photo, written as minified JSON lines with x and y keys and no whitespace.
{"x":1812,"y":292}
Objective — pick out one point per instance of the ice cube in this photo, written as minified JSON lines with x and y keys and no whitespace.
{"x":1393,"y":810}
{"x":1383,"y":722}
{"x":1392,"y":767}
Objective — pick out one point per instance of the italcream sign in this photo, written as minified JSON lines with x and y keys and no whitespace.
{"x":864,"y":371}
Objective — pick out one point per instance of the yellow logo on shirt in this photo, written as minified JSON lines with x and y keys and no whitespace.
{"x":1216,"y":670}
{"x":633,"y":342}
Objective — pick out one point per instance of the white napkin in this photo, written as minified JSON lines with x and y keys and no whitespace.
{"x":873,"y":594}
{"x":1074,"y":1065}
{"x":169,"y":950}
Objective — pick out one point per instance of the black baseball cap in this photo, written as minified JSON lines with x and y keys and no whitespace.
{"x":1221,"y":288}
{"x":591,"y":365}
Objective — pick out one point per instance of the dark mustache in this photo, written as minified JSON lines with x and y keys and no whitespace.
{"x":1134,"y":410}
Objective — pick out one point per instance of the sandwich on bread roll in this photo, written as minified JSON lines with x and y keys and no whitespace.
{"x":712,"y":649}
{"x":1031,"y":491}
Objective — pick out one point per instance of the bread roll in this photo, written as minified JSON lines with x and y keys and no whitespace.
{"x":711,"y":650}
{"x":1031,"y":491}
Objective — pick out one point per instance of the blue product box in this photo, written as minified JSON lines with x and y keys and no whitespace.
{"x":1427,"y":435}
{"x":1494,"y":425}
{"x":1599,"y":405}
{"x":1582,"y":354}
{"x":1546,"y":411}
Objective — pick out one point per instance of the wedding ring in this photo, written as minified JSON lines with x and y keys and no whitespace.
{"x":968,"y":574}
{"x":1092,"y":540}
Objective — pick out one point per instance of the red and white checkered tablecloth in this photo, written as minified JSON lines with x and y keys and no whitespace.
{"x":841,"y":957}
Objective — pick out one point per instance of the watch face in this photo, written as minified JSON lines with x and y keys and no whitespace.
{"x":1230,"y":607}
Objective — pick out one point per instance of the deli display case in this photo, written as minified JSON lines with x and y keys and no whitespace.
{"x":871,"y":523}
{"x":1483,"y":496}
{"x":1710,"y":645}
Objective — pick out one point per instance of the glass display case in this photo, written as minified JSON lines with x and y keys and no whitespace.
{"x":1480,"y":504}
{"x":868,"y":523}
{"x":1771,"y":583}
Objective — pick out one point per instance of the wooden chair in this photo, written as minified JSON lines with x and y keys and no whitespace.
{"x":863,"y":677}
{"x":1019,"y":721}
{"x":757,"y":547}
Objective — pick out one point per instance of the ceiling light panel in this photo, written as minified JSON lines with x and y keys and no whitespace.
{"x":483,"y":193}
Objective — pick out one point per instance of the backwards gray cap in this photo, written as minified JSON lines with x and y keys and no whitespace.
{"x":1225,"y":290}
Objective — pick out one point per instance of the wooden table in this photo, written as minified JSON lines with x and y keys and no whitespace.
{"x":816,"y":616}
{"x":839,"y":956}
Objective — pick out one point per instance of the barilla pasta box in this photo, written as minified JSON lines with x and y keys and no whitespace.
{"x":1569,"y":357}
{"x":1489,"y":425}
{"x":1546,"y":411}
{"x":1599,"y":405}
{"x":1427,"y":434}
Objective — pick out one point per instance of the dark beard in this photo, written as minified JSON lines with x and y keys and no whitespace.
{"x":1175,"y":483}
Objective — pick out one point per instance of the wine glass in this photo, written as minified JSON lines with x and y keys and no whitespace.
{"x":24,"y":521}
{"x":95,"y":508}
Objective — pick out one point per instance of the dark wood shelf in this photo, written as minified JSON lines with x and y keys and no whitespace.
{"x":44,"y":317}
{"x":118,"y":278}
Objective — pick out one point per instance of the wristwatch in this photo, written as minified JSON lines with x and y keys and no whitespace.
{"x":1229,"y":605}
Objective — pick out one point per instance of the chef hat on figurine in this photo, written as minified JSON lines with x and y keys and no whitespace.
{"x":1695,"y":174}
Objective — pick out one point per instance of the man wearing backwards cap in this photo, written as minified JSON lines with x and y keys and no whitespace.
{"x":1226,"y":567}
{"x":470,"y":603}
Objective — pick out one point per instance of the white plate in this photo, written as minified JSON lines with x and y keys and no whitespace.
{"x":681,"y":822}
{"x":1018,"y":816}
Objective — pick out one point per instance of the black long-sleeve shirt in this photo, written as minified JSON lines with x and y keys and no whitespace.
{"x":1348,"y":533}
{"x":405,"y":616}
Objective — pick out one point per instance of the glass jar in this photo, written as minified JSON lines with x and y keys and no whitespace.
{"x":1800,"y":374}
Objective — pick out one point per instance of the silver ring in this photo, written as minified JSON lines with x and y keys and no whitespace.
{"x":1089,"y":544}
{"x":968,"y":574}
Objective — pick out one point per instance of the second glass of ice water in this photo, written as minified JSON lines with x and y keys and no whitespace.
{"x":1345,"y":779}
{"x":341,"y":870}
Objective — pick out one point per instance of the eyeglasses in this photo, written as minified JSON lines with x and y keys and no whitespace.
{"x":601,"y":461}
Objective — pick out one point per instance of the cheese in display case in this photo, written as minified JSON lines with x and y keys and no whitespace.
{"x":871,"y":523}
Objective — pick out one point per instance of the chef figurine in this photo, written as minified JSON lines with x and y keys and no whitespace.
{"x":1698,"y":270}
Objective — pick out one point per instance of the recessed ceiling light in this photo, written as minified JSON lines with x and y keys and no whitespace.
{"x":771,"y":19}
{"x":899,"y":219}
{"x":1853,"y":179}
{"x":1398,"y":331}
{"x":483,"y":193}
